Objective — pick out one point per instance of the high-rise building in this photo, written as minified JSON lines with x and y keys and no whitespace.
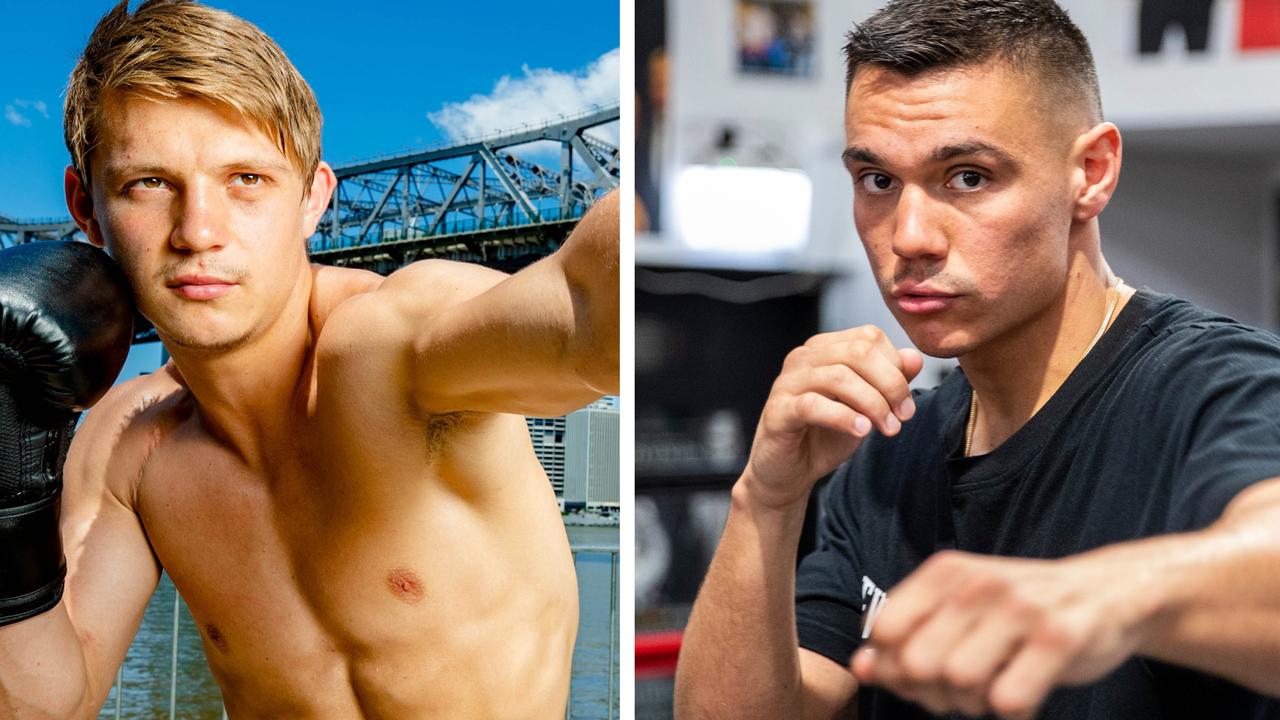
{"x":547,"y":435}
{"x":591,"y":455}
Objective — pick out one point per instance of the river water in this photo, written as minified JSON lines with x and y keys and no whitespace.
{"x":146,"y":685}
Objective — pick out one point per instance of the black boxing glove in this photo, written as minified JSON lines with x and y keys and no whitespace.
{"x":66,"y":321}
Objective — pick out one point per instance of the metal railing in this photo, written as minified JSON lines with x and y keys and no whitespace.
{"x":613,"y":625}
{"x":576,"y":550}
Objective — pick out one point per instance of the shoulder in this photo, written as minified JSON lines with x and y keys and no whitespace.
{"x":333,"y":286}
{"x":1193,"y":373}
{"x":118,"y":435}
{"x":1189,"y":341}
{"x":439,"y":283}
{"x":357,"y":307}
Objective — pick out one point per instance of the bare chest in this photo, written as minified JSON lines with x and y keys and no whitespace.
{"x":325,"y":577}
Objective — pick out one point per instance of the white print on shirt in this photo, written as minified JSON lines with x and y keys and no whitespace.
{"x":872,"y":601}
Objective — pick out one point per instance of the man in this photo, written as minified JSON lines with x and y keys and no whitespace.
{"x":1117,"y":447}
{"x":333,"y":467}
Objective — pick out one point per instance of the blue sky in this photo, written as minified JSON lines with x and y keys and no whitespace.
{"x":389,"y":76}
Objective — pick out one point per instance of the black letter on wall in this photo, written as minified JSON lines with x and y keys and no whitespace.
{"x":1157,"y":15}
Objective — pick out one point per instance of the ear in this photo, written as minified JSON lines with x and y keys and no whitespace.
{"x":317,"y":198}
{"x":1096,"y":168}
{"x":80,"y":204}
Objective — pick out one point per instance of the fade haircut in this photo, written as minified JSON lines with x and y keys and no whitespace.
{"x":1031,"y":36}
{"x":171,"y":49}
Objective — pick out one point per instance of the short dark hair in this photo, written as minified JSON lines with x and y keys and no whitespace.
{"x":1036,"y":36}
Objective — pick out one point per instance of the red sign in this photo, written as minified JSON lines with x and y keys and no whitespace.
{"x":1259,"y":24}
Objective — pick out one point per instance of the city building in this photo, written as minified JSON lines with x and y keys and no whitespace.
{"x":547,"y":435}
{"x":550,"y":442}
{"x":591,"y":456}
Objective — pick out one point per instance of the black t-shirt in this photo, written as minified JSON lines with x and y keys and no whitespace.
{"x":1172,"y":414}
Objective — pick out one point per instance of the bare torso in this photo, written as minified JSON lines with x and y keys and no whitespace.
{"x":377,"y":565}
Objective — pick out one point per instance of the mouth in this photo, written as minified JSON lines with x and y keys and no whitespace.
{"x":200,"y":287}
{"x":922,"y":299}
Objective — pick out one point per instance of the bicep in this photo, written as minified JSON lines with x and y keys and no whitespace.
{"x":828,"y":688}
{"x":479,"y":340}
{"x":111,"y":569}
{"x":510,"y":349}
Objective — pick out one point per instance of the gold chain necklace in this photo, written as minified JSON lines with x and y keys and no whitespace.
{"x":1106,"y":320}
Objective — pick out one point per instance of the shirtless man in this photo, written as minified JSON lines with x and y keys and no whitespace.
{"x":333,"y":467}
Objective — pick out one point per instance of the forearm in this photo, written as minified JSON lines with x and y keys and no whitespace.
{"x":43,"y":670}
{"x":739,"y":657}
{"x":590,"y":262}
{"x":1218,"y":593}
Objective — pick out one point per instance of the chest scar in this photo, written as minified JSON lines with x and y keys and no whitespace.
{"x":406,"y":585}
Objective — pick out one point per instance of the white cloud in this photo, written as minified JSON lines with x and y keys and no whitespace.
{"x":538,"y":95}
{"x":37,"y":105}
{"x":16,"y":112}
{"x":12,"y":115}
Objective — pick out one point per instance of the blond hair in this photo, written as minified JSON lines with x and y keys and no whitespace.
{"x":181,"y":49}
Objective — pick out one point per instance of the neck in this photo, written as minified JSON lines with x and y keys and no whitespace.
{"x":242,"y":395}
{"x":1016,"y":373}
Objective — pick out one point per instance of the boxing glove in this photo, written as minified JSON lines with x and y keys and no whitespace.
{"x":66,"y":321}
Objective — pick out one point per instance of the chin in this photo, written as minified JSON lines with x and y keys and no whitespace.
{"x":201,"y":338}
{"x":196,"y":329}
{"x":204,"y":342}
{"x":940,"y":342}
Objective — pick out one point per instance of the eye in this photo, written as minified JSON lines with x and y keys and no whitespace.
{"x":247,"y":179}
{"x":967,"y":180}
{"x":874,"y":182}
{"x":150,"y":183}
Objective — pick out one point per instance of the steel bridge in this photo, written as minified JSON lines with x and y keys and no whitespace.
{"x":487,"y":200}
{"x":15,"y":232}
{"x":502,"y":200}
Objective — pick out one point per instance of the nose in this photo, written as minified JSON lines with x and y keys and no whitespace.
{"x":201,"y":222}
{"x":918,"y":233}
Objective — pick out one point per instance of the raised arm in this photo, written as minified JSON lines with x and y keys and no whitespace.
{"x":543,"y":341}
{"x":65,"y":619}
{"x":741,"y":656}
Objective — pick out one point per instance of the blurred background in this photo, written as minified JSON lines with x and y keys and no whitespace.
{"x":748,"y":245}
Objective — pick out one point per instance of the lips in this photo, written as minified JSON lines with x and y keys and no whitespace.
{"x":201,"y":287}
{"x":919,"y":299}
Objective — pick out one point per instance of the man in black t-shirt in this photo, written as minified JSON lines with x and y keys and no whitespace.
{"x":1084,"y":522}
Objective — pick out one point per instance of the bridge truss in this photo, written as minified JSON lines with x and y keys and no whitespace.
{"x":15,"y":232}
{"x":496,"y":201}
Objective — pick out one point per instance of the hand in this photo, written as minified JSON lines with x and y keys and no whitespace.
{"x":831,"y":392}
{"x":979,"y":634}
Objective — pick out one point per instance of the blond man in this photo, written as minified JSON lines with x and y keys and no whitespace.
{"x":333,"y":467}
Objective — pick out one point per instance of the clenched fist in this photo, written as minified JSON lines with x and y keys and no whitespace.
{"x":979,"y":634}
{"x":832,"y":391}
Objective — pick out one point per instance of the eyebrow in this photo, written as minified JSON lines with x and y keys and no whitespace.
{"x":857,"y":153}
{"x":121,"y":170}
{"x":112,"y":171}
{"x":973,"y":147}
